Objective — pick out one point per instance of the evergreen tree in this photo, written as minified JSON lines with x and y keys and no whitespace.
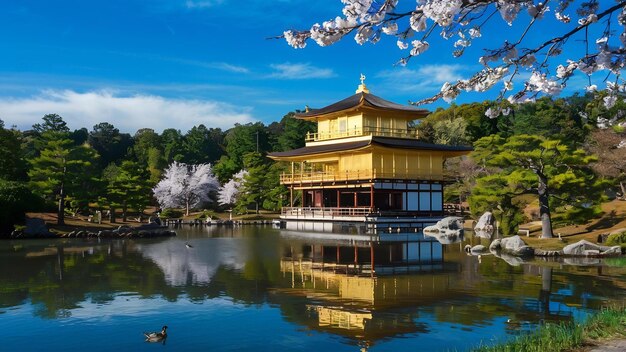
{"x":560,"y":175}
{"x":63,"y":170}
{"x":293,"y":133}
{"x":110,"y":144}
{"x":202,"y":145}
{"x":127,"y":186}
{"x":254,"y":182}
{"x":12,"y":165}
{"x":172,"y":141}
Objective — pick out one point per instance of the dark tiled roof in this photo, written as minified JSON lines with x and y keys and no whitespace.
{"x":417,"y":144}
{"x":368,"y":100}
{"x":382,"y":141}
{"x":325,"y":148}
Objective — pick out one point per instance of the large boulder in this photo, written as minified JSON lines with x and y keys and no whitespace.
{"x":447,"y":230}
{"x":512,"y":245}
{"x":485,"y":226}
{"x":585,"y":248}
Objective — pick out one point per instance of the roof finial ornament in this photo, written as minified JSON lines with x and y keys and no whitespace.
{"x":362,"y":88}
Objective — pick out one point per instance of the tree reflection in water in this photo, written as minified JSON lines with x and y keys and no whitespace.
{"x":320,"y":285}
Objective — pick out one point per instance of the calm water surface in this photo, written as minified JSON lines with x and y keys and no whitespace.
{"x":254,"y":288}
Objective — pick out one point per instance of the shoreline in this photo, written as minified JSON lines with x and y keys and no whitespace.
{"x":597,"y":333}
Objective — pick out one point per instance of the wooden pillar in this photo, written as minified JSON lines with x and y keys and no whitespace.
{"x":356,"y":254}
{"x":372,"y":197}
{"x":338,"y":199}
{"x":338,"y":258}
{"x":372,"y":258}
{"x":291,"y":196}
{"x":356,"y":202}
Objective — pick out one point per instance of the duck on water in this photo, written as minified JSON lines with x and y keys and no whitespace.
{"x":156,"y":336}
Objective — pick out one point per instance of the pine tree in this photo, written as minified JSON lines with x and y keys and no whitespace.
{"x":557,"y":174}
{"x":61,"y":170}
{"x":128,"y":186}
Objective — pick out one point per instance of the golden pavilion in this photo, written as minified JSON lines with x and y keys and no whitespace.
{"x":365,"y":163}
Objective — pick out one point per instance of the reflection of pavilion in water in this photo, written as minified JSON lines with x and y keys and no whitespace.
{"x":349,"y":284}
{"x":369,"y":288}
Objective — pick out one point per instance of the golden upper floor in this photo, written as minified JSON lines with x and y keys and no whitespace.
{"x":363,"y":114}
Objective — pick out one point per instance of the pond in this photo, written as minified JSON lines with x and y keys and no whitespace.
{"x":261,"y":288}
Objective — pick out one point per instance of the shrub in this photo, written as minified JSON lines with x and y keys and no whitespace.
{"x":170,"y":213}
{"x":207,"y":214}
{"x":15,"y":200}
{"x":616,"y":239}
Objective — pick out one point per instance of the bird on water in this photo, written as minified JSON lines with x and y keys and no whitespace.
{"x":156,"y":336}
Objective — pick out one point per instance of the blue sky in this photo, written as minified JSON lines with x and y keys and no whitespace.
{"x":178,"y":63}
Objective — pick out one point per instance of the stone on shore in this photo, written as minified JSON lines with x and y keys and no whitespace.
{"x":514,"y":246}
{"x":584,"y":248}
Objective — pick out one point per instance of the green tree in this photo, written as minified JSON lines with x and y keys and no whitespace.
{"x":12,"y":166}
{"x":560,"y":175}
{"x":127,"y":186}
{"x":52,"y":127}
{"x":62,"y":170}
{"x":253,"y":188}
{"x":498,"y":193}
{"x":547,"y":117}
{"x":51,"y":123}
{"x":144,"y":140}
{"x":15,"y":199}
{"x":202,"y":145}
{"x":156,"y":164}
{"x":275,"y":194}
{"x":110,"y":144}
{"x":293,"y":133}
{"x":243,"y":139}
{"x":172,"y":141}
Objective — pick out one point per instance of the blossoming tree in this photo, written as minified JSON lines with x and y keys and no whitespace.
{"x":186,"y":186}
{"x":229,"y":192}
{"x":592,"y":30}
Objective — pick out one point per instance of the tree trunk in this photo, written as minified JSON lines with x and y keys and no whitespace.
{"x":61,"y":209}
{"x":623,"y":187}
{"x":124,"y":210}
{"x":187,"y":208}
{"x":112,"y":215}
{"x":544,"y":207}
{"x":257,"y":207}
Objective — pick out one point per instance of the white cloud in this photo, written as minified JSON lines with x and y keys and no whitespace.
{"x":201,"y":4}
{"x":425,"y":78}
{"x":224,"y":66}
{"x":128,"y":113}
{"x":288,"y":70}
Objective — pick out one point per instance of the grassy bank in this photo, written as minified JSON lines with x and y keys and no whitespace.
{"x":606,"y":324}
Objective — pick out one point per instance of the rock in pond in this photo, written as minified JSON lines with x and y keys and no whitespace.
{"x":447,"y":230}
{"x":485,"y":226}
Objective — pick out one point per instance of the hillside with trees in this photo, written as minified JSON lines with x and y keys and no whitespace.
{"x":564,"y":155}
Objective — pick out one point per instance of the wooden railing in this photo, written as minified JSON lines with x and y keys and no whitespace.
{"x":309,"y":177}
{"x":363,"y":131}
{"x":324,"y":213}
